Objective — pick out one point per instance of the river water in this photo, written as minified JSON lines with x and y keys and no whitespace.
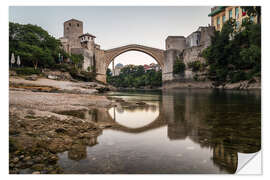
{"x":180,"y":132}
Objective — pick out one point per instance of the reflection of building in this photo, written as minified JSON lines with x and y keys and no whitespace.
{"x":220,"y":14}
{"x":79,"y":151}
{"x":224,"y":157}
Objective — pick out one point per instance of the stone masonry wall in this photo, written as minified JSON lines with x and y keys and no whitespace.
{"x":193,"y":54}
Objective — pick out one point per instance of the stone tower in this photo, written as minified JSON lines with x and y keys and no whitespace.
{"x":72,"y":30}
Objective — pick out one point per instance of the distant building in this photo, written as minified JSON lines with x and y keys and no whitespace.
{"x":117,"y":69}
{"x":151,"y":66}
{"x":220,"y":14}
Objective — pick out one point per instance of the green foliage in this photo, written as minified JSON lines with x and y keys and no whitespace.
{"x":77,"y":60}
{"x":253,"y":11}
{"x":34,"y":45}
{"x":61,"y":67}
{"x":238,"y":76}
{"x":234,"y":56}
{"x":196,"y":66}
{"x":179,"y":66}
{"x":135,"y":76}
{"x":27,"y":71}
{"x":196,"y":77}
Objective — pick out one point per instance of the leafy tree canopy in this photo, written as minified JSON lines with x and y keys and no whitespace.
{"x":234,"y":55}
{"x":135,"y":76}
{"x":34,"y":45}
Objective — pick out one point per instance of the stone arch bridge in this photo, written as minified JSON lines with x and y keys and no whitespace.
{"x":105,"y":57}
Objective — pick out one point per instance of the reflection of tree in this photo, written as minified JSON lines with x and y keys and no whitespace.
{"x":217,"y":120}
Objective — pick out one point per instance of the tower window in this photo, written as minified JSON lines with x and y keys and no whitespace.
{"x":78,"y":25}
{"x":69,"y":24}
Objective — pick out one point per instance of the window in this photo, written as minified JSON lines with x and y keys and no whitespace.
{"x":252,"y":18}
{"x":67,"y":28}
{"x":237,"y":24}
{"x":69,"y":24}
{"x":230,"y":13}
{"x":236,"y":13}
{"x":78,"y":25}
{"x":223,"y":19}
{"x":218,"y":21}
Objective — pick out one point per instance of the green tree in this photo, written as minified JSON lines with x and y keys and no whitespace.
{"x":77,"y":60}
{"x":179,"y":66}
{"x":253,"y":11}
{"x":234,"y":55}
{"x":135,"y":76}
{"x":34,"y":45}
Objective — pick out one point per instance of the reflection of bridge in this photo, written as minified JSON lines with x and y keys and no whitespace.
{"x":187,"y":116}
{"x":158,"y":122}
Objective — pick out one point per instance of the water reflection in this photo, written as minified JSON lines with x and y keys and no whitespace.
{"x":185,"y":131}
{"x":135,"y":117}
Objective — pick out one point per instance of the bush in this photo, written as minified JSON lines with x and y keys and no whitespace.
{"x":196,"y":77}
{"x":61,"y":67}
{"x":239,"y":76}
{"x":179,"y":66}
{"x":195,"y":66}
{"x":88,"y":76}
{"x":27,"y":71}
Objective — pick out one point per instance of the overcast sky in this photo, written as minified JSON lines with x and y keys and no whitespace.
{"x":117,"y":26}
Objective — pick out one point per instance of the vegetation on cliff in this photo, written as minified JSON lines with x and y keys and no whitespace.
{"x":179,"y":66}
{"x":135,"y":76}
{"x":235,"y":53}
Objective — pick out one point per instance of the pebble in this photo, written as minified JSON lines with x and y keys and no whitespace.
{"x":36,"y":172}
{"x":15,"y":160}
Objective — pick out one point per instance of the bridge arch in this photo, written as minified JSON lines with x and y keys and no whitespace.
{"x":157,"y":54}
{"x":105,"y":57}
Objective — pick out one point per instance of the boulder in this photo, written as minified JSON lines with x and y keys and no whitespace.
{"x":32,"y":77}
{"x":53,"y":77}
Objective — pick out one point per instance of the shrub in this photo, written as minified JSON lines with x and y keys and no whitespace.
{"x":195,"y":66}
{"x":27,"y":71}
{"x":88,"y":76}
{"x":196,"y":77}
{"x":179,"y":66}
{"x":61,"y":67}
{"x":239,"y":76}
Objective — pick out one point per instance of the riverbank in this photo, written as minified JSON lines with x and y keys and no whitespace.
{"x":242,"y":85}
{"x":47,"y":117}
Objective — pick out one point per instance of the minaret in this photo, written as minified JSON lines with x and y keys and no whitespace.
{"x":113,"y":68}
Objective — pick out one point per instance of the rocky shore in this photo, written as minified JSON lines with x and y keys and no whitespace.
{"x":242,"y":85}
{"x":47,"y":117}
